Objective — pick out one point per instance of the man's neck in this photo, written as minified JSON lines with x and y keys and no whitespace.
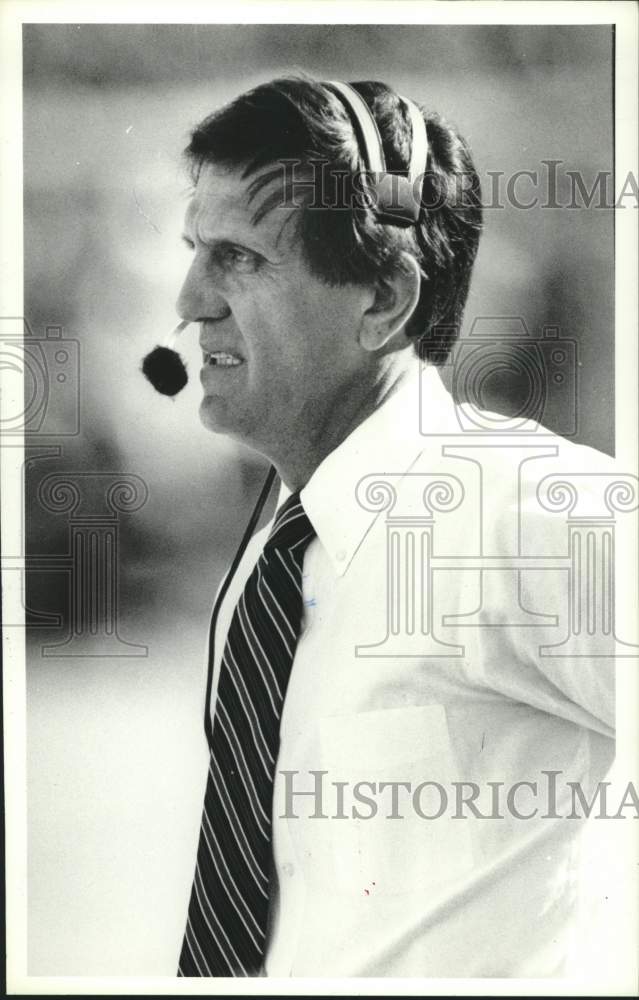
{"x":305,"y":452}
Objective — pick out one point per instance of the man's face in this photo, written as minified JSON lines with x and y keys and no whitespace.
{"x":280,"y":347}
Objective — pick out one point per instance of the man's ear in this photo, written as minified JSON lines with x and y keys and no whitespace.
{"x":396,"y":297}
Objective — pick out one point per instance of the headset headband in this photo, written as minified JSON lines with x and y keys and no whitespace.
{"x":397,"y":198}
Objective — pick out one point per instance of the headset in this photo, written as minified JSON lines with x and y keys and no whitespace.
{"x":396,"y":201}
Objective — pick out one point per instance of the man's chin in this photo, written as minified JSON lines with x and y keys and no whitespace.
{"x":219,"y":417}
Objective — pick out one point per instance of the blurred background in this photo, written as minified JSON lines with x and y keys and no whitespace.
{"x":116,"y":754}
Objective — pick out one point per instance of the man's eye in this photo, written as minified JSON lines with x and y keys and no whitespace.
{"x":239,"y":259}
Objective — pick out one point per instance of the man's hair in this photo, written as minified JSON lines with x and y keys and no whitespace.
{"x":301,"y":121}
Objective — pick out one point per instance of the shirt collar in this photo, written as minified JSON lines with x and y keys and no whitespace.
{"x":388,"y":441}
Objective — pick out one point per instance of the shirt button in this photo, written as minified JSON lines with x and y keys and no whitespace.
{"x":287,"y":868}
{"x":341,"y":554}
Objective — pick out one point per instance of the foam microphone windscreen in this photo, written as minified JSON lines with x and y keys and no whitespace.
{"x":164,"y":367}
{"x":165,"y":370}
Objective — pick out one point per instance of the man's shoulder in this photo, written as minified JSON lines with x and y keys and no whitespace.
{"x":498,"y":453}
{"x":500,"y":477}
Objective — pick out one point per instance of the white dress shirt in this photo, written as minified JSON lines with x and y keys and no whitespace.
{"x":419,"y":661}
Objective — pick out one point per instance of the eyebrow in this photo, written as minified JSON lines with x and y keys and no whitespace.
{"x":270,"y":252}
{"x":219,"y":241}
{"x":267,"y":206}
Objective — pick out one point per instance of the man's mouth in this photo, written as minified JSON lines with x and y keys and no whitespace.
{"x":221,"y":359}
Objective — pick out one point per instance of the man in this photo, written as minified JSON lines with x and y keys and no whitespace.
{"x":382,"y":723}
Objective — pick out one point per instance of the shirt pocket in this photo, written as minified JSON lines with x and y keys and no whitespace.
{"x":393,"y":839}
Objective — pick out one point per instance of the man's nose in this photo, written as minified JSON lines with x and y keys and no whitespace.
{"x":199,"y":299}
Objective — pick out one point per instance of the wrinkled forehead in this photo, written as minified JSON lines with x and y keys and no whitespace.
{"x":225,"y":205}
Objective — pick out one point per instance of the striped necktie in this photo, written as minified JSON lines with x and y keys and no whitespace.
{"x":226,"y":925}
